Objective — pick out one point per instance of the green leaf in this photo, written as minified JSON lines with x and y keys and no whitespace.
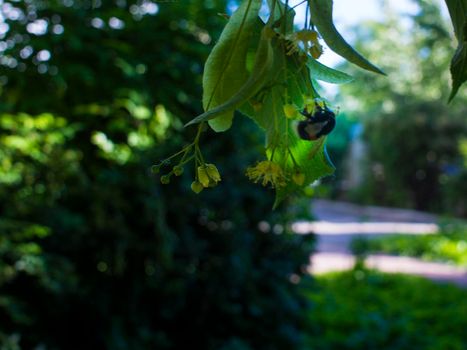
{"x":259,"y":76}
{"x":222,"y":123}
{"x":458,"y":12}
{"x":321,"y":16}
{"x":225,"y":69}
{"x":458,"y":69}
{"x":324,"y":73}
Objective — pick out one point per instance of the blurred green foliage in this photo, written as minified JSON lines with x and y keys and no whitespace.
{"x":413,"y":136}
{"x":449,"y":245}
{"x":94,"y":252}
{"x":363,"y":309}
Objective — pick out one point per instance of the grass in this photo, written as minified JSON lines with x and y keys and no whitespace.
{"x":363,"y":309}
{"x":449,"y":245}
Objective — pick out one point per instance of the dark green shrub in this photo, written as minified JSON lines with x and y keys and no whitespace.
{"x":368,"y":310}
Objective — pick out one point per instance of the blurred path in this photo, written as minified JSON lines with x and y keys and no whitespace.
{"x":339,"y":222}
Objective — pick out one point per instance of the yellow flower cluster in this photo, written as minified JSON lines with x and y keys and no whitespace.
{"x":310,"y":41}
{"x":267,"y":172}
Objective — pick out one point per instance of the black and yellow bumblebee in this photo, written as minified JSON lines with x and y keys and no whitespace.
{"x":318,"y":124}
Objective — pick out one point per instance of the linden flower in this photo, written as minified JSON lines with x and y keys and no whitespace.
{"x":316,"y":50}
{"x":309,"y":39}
{"x":266,"y":172}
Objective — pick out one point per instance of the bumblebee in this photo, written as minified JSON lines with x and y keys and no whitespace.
{"x":322,"y":122}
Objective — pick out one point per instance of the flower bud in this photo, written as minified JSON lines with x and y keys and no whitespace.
{"x":290,"y":111}
{"x":196,"y":187}
{"x":178,"y":170}
{"x":165,"y":179}
{"x":298,"y":178}
{"x":213,"y":173}
{"x":203,"y":176}
{"x":316,"y":51}
{"x":156,"y":168}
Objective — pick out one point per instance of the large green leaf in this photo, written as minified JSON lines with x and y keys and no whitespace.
{"x":324,"y":73}
{"x":321,"y":15}
{"x":259,"y":76}
{"x":458,"y":12}
{"x":225,"y":69}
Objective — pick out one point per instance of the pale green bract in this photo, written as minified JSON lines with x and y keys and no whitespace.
{"x":257,"y":79}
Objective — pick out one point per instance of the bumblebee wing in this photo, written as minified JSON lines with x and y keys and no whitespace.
{"x":327,"y":128}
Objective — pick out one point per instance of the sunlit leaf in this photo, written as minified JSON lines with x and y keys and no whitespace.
{"x":321,"y":16}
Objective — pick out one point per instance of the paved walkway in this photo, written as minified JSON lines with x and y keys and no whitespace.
{"x":339,"y":222}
